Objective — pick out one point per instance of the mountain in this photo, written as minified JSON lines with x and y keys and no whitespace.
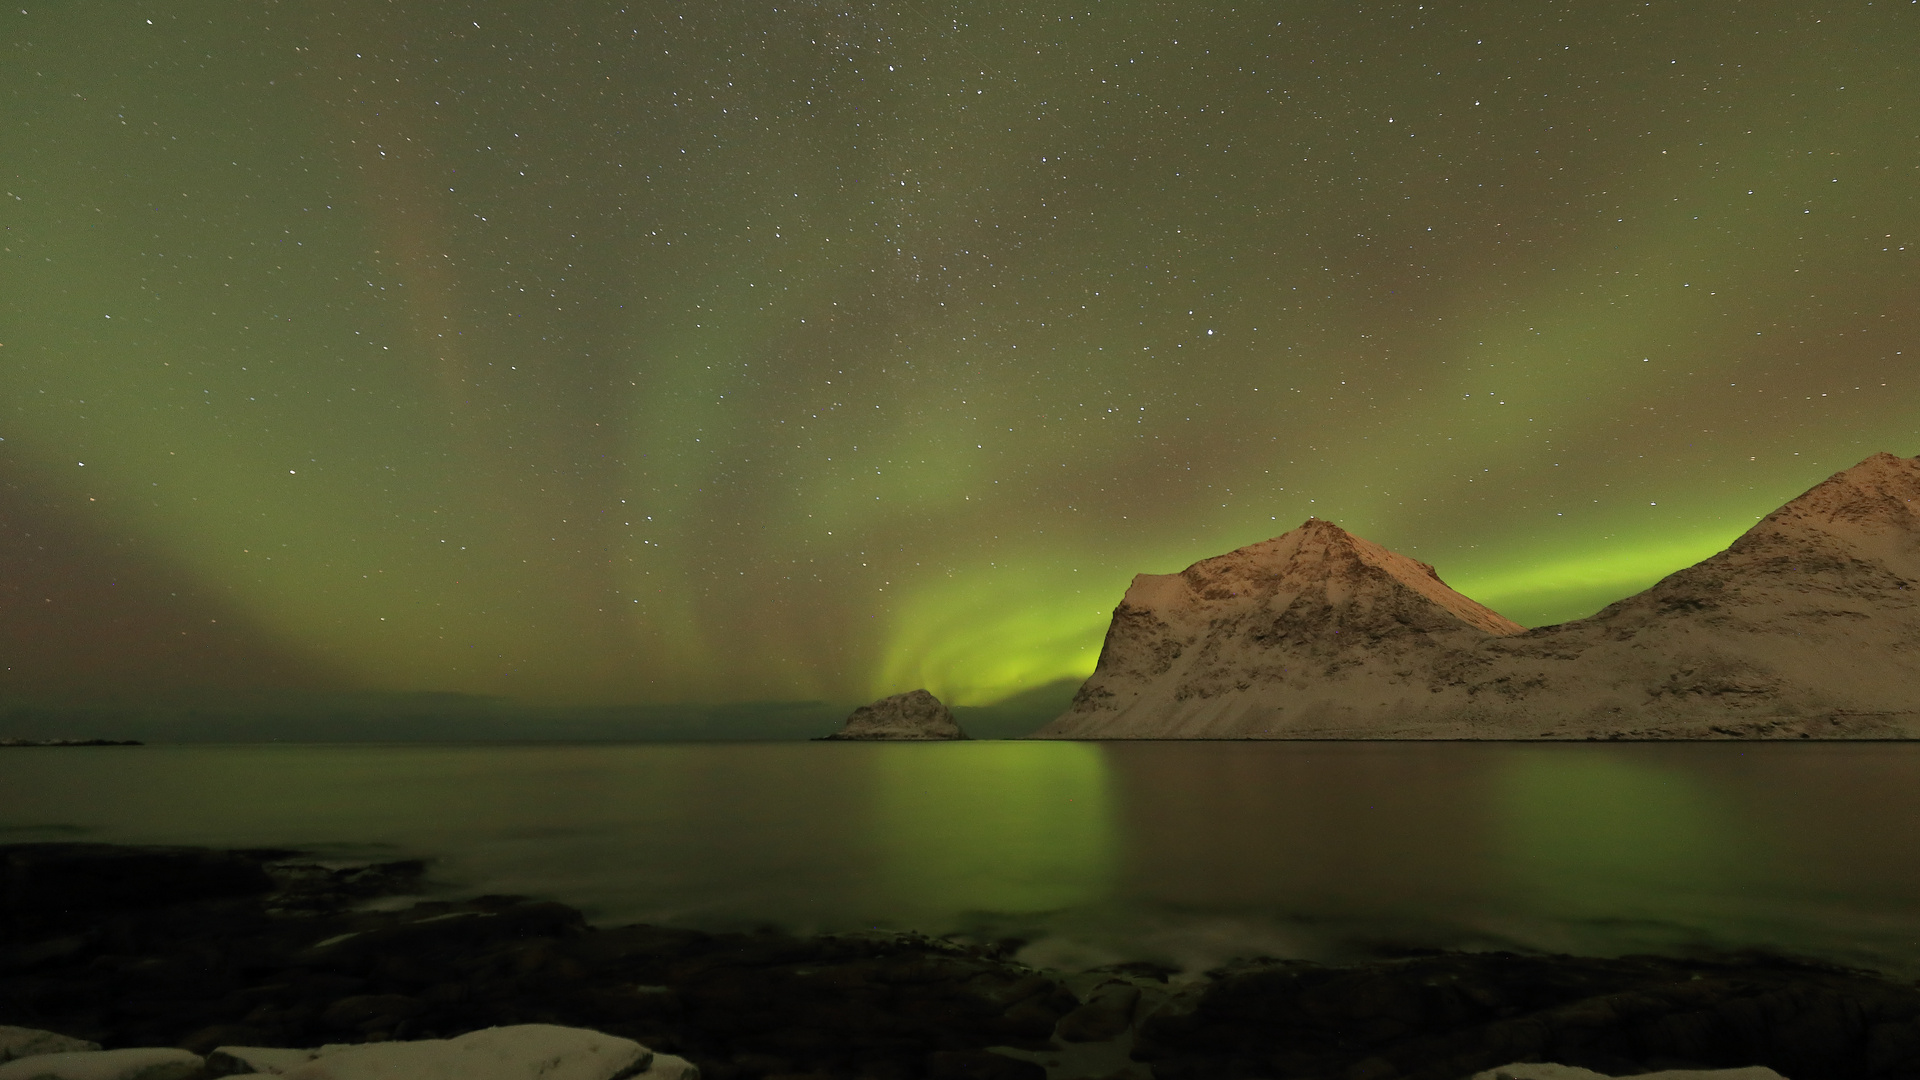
{"x":1259,"y":640}
{"x":1807,"y":626}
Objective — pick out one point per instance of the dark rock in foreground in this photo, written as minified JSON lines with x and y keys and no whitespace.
{"x":279,"y":958}
{"x":915,"y":716}
{"x":218,"y":959}
{"x":1446,"y":1016}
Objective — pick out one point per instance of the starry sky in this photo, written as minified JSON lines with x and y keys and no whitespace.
{"x":657,"y":352}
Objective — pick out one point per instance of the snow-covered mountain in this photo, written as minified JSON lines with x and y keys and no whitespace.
{"x":1808,"y":626}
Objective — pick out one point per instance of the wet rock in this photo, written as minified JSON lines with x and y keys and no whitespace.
{"x":309,"y":887}
{"x":980,"y":1065}
{"x":55,"y":885}
{"x":252,"y":970}
{"x":1107,"y":1013}
{"x":1443,"y":1017}
{"x":372,"y":1012}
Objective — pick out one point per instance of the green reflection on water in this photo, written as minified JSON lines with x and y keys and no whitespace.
{"x":1584,"y":827}
{"x":994,"y":826}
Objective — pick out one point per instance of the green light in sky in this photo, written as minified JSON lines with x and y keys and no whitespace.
{"x":994,"y":632}
{"x":1575,"y":584}
{"x":737,"y":358}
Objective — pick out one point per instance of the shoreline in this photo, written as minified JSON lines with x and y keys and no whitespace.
{"x":200,"y":948}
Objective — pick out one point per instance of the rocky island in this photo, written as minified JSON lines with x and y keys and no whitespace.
{"x":1803,"y":628}
{"x":915,"y":716}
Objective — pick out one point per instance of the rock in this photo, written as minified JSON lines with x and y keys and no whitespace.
{"x":307,"y":965}
{"x":1449,"y":1016}
{"x":19,"y":1042}
{"x":979,"y":1065}
{"x":1571,"y":1073}
{"x":63,"y":884}
{"x":519,"y":1052}
{"x":251,"y":1060}
{"x":247,"y":971}
{"x":145,"y":1063}
{"x":372,"y":1012}
{"x":669,"y":1067}
{"x":913,"y":716}
{"x":1800,"y":629}
{"x":1107,"y":1013}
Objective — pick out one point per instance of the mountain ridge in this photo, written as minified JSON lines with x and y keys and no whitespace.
{"x":1803,"y":627}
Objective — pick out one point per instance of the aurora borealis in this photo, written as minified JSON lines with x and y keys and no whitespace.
{"x":719,"y":352}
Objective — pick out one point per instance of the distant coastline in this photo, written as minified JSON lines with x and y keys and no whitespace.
{"x":71,"y":742}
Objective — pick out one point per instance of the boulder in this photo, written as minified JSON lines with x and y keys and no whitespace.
{"x":142,"y":1063}
{"x":915,"y":716}
{"x":19,"y":1042}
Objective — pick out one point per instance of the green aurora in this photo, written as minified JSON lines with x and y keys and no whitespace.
{"x":668,"y":352}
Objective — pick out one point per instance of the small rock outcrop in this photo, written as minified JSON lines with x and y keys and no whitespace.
{"x":1802,"y":628}
{"x":915,"y":716}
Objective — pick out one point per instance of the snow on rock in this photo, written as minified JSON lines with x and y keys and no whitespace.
{"x":912,"y":716}
{"x":1802,"y":628}
{"x":1568,"y":1072}
{"x":144,"y":1063}
{"x":518,"y":1052}
{"x":19,"y":1042}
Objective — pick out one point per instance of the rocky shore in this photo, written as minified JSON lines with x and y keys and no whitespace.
{"x":199,"y":949}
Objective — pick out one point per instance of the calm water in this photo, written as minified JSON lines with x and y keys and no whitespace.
{"x":1186,"y":852}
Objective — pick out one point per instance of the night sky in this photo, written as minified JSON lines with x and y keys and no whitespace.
{"x":587,"y":353}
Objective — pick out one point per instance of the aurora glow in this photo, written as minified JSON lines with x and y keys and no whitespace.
{"x":673,"y":352}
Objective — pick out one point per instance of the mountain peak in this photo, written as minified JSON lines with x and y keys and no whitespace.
{"x":1880,"y":495}
{"x":1318,"y":557}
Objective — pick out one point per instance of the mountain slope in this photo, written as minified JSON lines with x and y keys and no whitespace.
{"x":1808,"y":624}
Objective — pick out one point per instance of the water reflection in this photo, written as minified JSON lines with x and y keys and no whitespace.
{"x":997,"y":827}
{"x":1302,"y":827}
{"x":1589,"y":828}
{"x":1187,"y":852}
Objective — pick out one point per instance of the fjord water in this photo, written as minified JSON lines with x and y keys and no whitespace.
{"x":1186,"y":853}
